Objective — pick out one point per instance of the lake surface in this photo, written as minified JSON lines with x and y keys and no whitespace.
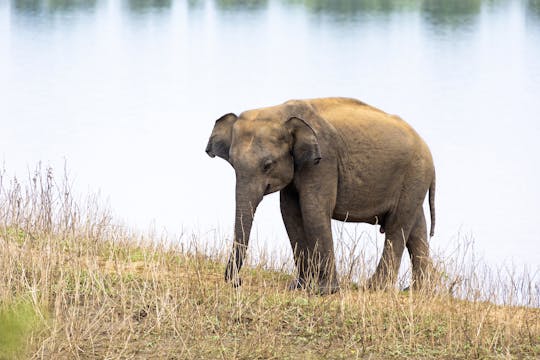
{"x":126,"y":92}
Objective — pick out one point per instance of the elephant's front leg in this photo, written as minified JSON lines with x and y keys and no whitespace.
{"x":292,"y":218}
{"x":317,"y":210}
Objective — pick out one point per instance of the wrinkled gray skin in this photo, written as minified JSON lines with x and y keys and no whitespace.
{"x":331,"y":158}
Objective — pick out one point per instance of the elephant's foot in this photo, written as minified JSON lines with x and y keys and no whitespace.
{"x":328,"y":287}
{"x":372,"y":284}
{"x":379,"y":282}
{"x":324,"y":287}
{"x":297,"y":284}
{"x":234,"y":279}
{"x":424,"y":278}
{"x":235,"y":282}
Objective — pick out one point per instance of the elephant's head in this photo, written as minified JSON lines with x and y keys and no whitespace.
{"x":265,"y":148}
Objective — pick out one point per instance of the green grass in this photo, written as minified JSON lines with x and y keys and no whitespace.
{"x":75,"y":285}
{"x":19,"y":319}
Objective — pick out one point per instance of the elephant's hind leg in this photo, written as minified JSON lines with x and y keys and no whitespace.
{"x":398,"y":226}
{"x":387,"y":270}
{"x":418,"y":248}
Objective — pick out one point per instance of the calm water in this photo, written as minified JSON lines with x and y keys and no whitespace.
{"x":127,"y":92}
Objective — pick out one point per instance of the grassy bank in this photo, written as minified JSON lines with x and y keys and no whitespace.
{"x":74,"y":285}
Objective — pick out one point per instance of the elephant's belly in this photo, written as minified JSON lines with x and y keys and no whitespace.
{"x":351,"y":217}
{"x":362,"y":198}
{"x":359,"y":207}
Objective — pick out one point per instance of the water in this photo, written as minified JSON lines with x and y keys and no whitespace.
{"x":126,"y":92}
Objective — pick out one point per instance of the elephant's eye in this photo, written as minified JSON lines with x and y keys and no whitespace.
{"x":267,"y":165}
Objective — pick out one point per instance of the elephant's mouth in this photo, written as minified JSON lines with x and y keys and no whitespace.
{"x":268,"y":189}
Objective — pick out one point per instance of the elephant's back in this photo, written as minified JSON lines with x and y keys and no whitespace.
{"x":360,"y":127}
{"x":334,"y":105}
{"x":357,"y":121}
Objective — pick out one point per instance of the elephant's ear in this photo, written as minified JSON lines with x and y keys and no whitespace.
{"x":305,"y":146}
{"x":220,"y":139}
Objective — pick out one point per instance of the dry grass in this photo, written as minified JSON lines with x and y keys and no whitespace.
{"x":73,"y":285}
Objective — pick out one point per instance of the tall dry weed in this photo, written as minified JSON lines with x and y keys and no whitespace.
{"x":90,"y":288}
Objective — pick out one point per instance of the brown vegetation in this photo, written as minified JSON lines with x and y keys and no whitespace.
{"x":74,"y":285}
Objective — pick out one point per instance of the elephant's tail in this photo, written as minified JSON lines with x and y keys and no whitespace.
{"x":432,"y":206}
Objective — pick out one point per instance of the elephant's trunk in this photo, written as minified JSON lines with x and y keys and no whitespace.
{"x":248,"y":198}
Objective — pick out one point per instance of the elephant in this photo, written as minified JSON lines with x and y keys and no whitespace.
{"x":330,"y":158}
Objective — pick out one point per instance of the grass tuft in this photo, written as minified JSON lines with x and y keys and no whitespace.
{"x":75,"y":285}
{"x":19,"y":319}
